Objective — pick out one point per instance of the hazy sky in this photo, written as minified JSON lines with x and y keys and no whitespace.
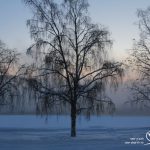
{"x":119,"y":16}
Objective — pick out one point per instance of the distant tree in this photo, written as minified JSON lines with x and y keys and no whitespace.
{"x":140,"y":61}
{"x":71,"y":66}
{"x":8,"y":73}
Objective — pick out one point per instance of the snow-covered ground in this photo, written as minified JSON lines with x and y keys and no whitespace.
{"x":27,"y":132}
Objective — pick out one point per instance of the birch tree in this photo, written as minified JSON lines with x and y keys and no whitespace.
{"x":71,"y":66}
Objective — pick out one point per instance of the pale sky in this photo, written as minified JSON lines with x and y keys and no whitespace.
{"x":119,"y":16}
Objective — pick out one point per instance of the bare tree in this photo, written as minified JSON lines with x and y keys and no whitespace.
{"x":140,"y":61}
{"x":71,"y":66}
{"x":8,"y":73}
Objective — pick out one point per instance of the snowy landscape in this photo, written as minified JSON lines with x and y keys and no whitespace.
{"x":74,"y":74}
{"x":29,"y":132}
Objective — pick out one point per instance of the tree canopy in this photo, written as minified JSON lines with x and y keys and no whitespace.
{"x":8,"y":73}
{"x":140,"y":60}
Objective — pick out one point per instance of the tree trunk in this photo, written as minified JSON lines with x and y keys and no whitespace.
{"x":73,"y":120}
